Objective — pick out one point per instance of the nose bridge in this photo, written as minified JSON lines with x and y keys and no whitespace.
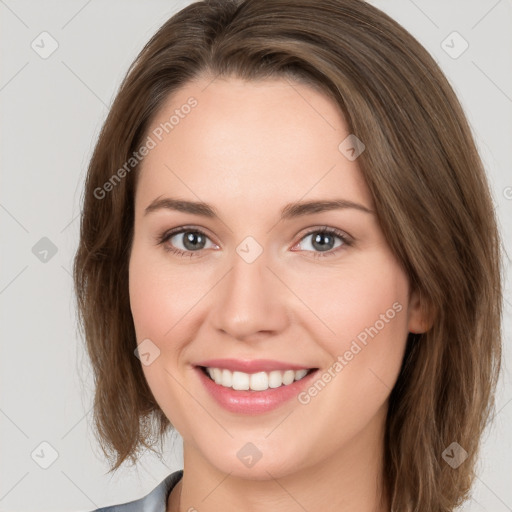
{"x":251,"y":298}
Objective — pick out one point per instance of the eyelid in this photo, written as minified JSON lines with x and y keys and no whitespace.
{"x":180,"y":229}
{"x":329,"y":229}
{"x":309,"y":230}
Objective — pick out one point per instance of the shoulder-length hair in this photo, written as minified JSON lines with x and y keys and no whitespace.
{"x":432,"y":200}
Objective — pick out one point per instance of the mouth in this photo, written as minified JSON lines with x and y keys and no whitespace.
{"x":253,"y":386}
{"x":259,"y":381}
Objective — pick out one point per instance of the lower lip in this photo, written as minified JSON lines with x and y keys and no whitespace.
{"x":253,"y":402}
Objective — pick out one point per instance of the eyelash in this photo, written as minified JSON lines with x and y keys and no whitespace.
{"x":347,"y":242}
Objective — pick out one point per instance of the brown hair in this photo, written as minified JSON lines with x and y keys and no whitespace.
{"x":430,"y":192}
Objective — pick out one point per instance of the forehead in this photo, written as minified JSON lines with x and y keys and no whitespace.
{"x":264,"y":141}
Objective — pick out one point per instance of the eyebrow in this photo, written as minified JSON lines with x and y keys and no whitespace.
{"x":290,"y":211}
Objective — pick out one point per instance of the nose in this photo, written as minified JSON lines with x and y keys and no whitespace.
{"x":250,"y":302}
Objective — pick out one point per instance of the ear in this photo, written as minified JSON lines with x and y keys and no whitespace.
{"x":421,"y":318}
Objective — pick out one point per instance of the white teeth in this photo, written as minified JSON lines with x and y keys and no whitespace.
{"x":300,"y":373}
{"x":227,"y":378}
{"x":217,"y":375}
{"x":275,"y":379}
{"x":260,"y":381}
{"x":288,"y":377}
{"x":240,"y":381}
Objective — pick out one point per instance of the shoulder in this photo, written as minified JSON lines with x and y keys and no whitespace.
{"x":155,"y":501}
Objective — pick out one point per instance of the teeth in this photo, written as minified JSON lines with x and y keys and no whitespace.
{"x":260,"y":381}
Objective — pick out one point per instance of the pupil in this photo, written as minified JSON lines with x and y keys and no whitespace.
{"x":191,"y":240}
{"x":319,"y":241}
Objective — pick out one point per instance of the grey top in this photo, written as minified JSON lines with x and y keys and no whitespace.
{"x":155,"y":501}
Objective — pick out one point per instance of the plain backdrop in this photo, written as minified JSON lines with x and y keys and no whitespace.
{"x":52,"y":108}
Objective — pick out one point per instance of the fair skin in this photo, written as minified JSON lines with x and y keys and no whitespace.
{"x":248,"y":149}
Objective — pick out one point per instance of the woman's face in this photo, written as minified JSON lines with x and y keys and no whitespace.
{"x":259,"y":280}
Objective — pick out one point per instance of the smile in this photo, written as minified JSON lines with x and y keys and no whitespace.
{"x":262,"y":387}
{"x":260,"y":381}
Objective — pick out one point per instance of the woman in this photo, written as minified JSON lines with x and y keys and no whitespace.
{"x":289,"y":254}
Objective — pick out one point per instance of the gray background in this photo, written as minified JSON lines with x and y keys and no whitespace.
{"x":52,"y":110}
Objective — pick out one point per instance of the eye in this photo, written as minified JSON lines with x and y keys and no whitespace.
{"x":185,"y":241}
{"x":323,"y":241}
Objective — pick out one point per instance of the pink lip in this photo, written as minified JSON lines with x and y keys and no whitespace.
{"x":252,"y":402}
{"x":251,"y":366}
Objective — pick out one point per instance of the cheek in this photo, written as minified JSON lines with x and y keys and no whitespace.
{"x":160,"y":296}
{"x":367,"y":311}
{"x":159,"y":301}
{"x":361,"y":315}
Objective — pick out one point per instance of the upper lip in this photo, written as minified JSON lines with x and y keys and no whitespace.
{"x":251,"y":366}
